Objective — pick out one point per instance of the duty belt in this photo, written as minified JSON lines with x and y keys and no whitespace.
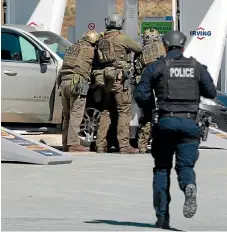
{"x":178,"y":115}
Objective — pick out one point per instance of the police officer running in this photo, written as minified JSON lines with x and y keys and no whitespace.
{"x":151,"y":50}
{"x":114,"y":54}
{"x":178,"y":83}
{"x":74,"y":79}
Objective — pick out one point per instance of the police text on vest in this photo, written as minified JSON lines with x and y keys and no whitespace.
{"x":182,"y":72}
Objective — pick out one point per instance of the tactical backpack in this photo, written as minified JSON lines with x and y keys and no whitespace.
{"x":105,"y":47}
{"x":150,"y":52}
{"x":79,"y":57}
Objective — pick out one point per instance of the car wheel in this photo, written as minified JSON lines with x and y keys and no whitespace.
{"x":89,"y":126}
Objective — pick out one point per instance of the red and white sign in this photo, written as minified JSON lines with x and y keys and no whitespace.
{"x":91,"y":26}
{"x":32,"y":24}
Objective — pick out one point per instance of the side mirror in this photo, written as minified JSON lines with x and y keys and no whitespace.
{"x":44,"y":57}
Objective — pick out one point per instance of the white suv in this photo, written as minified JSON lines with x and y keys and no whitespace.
{"x":29,"y":70}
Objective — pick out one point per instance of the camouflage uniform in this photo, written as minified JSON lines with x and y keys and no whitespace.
{"x":114,"y":52}
{"x":74,"y":76}
{"x":151,"y":50}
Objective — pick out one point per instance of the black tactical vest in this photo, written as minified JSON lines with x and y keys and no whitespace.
{"x":177,"y":87}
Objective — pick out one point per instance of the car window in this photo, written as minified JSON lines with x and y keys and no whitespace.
{"x":28,"y":51}
{"x":9,"y":46}
{"x":55,"y":42}
{"x":17,"y":48}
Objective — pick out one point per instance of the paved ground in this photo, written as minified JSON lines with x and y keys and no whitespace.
{"x":107,"y":192}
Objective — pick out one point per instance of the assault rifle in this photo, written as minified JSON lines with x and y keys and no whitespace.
{"x":128,"y":79}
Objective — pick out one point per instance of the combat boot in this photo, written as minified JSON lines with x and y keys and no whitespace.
{"x":143,"y":150}
{"x":162,"y":223}
{"x":78,"y":148}
{"x":129,"y":150}
{"x":190,"y":205}
{"x":101,"y":150}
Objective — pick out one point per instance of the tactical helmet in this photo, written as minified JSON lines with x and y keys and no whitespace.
{"x":101,"y":34}
{"x":91,"y":36}
{"x":174,"y":39}
{"x":151,"y":34}
{"x":114,"y":21}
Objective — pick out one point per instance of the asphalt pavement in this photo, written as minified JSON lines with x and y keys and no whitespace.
{"x":107,"y":192}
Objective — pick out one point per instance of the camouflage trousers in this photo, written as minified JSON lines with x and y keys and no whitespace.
{"x":144,"y":129}
{"x":122,"y":98}
{"x":73,"y":112}
{"x":144,"y":135}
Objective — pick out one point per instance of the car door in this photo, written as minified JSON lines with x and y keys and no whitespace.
{"x":26,"y":81}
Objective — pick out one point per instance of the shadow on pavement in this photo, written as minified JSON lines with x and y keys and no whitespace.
{"x":18,"y":162}
{"x":125,"y":223}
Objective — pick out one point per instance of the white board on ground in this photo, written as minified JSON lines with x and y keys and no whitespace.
{"x":15,"y":148}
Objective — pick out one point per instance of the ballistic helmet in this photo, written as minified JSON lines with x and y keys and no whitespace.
{"x":101,"y":34}
{"x":151,"y":34}
{"x":114,"y":21}
{"x":174,"y":39}
{"x":91,"y":36}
